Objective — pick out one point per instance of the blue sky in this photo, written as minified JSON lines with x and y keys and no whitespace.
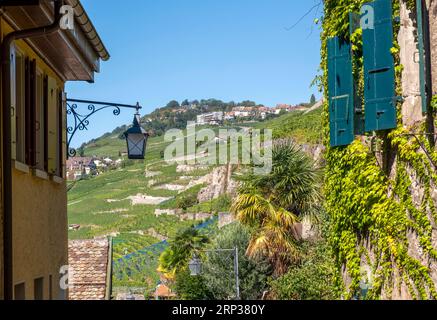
{"x":176,"y":49}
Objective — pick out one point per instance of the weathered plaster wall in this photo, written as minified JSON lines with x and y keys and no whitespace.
{"x":411,"y":118}
{"x":407,"y":38}
{"x":432,"y":9}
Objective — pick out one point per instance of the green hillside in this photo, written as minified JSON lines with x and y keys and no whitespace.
{"x":304,"y":128}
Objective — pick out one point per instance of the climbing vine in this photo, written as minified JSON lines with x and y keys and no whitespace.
{"x":377,"y":212}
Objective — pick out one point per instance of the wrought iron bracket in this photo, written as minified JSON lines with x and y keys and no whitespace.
{"x":80,"y":121}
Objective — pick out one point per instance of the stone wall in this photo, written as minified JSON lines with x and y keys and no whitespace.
{"x":407,"y":38}
{"x":411,"y":117}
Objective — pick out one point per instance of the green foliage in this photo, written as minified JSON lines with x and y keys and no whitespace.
{"x":218,"y":267}
{"x":310,"y":280}
{"x":368,"y":208}
{"x":127,"y":243}
{"x":183,"y":200}
{"x":186,"y":201}
{"x":214,"y":206}
{"x":176,"y":257}
{"x":303,"y":128}
{"x":190,"y":287}
{"x":434,"y":104}
{"x":272,"y":204}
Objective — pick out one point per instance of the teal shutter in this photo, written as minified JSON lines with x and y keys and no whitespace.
{"x":379,"y":74}
{"x":341,"y":92}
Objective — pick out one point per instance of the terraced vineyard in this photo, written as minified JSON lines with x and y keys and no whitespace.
{"x":122,"y":203}
{"x":138,"y":268}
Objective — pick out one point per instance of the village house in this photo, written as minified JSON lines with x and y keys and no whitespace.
{"x":244,"y":112}
{"x":213,"y":118}
{"x":229,"y":116}
{"x":38,"y":58}
{"x":79,"y":167}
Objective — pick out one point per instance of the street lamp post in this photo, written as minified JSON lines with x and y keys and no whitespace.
{"x":136,"y":136}
{"x":195,"y":266}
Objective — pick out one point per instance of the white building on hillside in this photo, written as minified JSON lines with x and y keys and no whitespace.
{"x":213,"y":118}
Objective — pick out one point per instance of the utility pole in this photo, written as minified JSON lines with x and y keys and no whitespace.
{"x":237,"y":279}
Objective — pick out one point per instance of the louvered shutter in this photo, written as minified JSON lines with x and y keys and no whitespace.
{"x":379,"y":73}
{"x":341,"y":92}
{"x":62,"y":152}
{"x":52,"y":126}
{"x":13,"y":105}
{"x":27,"y":110}
{"x":46,"y":122}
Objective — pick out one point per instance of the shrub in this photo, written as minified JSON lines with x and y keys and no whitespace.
{"x":218,"y":267}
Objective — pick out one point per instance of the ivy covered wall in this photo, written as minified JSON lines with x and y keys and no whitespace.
{"x":381,"y":190}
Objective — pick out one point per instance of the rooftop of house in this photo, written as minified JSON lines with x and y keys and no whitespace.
{"x":162,"y":291}
{"x":72,"y":54}
{"x":88,"y":261}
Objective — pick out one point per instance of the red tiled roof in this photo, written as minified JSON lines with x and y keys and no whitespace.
{"x":88,"y":261}
{"x":163,"y":291}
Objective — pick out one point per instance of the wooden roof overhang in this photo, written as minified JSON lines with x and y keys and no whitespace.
{"x":73,"y":54}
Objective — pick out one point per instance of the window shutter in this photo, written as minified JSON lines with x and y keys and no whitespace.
{"x":341,"y":92}
{"x":62,"y":133}
{"x":52,"y":126}
{"x":33,"y":115}
{"x":27,"y":110}
{"x":46,"y":121}
{"x":13,"y":105}
{"x":40,"y":121}
{"x":379,"y":74}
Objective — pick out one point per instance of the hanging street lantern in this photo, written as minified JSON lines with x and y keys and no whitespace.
{"x":136,"y":139}
{"x":195,"y":266}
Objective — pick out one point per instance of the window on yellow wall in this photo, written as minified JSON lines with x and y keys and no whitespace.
{"x":20,"y":291}
{"x":38,"y":289}
{"x":38,"y":117}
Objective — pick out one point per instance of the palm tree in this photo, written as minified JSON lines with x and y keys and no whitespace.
{"x":177,"y":255}
{"x":272,"y":204}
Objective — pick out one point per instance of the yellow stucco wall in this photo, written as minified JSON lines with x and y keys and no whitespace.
{"x":39,"y":217}
{"x":40,"y":231}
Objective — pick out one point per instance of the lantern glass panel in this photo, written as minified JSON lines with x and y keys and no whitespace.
{"x":136,"y":145}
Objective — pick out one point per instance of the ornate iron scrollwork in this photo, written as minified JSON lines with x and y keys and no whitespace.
{"x":81,"y":121}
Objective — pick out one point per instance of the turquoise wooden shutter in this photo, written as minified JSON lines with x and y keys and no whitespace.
{"x":341,"y":92}
{"x":379,"y":74}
